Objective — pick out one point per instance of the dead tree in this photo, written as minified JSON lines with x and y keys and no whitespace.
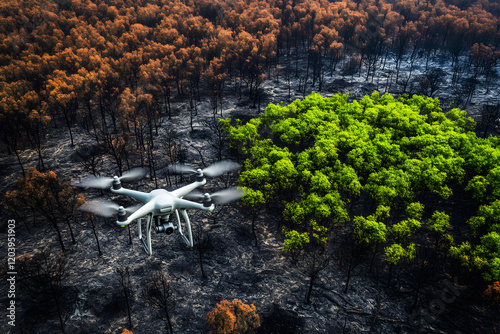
{"x":124,"y":277}
{"x":464,"y":94}
{"x":313,"y":259}
{"x":436,"y":77}
{"x":89,"y":157}
{"x":202,"y":246}
{"x":350,"y":254}
{"x":159,"y":294}
{"x":217,"y":139}
{"x":92,"y":219}
{"x":43,"y":274}
{"x":490,"y":119}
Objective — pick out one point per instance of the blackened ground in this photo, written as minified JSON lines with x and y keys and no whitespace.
{"x":93,"y":299}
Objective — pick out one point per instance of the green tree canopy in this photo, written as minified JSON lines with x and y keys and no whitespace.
{"x":326,"y":161}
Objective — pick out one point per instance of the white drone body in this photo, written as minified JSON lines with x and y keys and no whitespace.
{"x":159,"y":204}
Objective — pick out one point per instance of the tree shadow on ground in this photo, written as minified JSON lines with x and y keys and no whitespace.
{"x":281,"y":321}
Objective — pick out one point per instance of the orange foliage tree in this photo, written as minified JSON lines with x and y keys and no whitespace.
{"x":233,"y":318}
{"x":44,"y":194}
{"x":62,"y":97}
{"x":492,"y":293}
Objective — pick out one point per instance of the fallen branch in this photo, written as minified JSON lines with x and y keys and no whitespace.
{"x":357,"y":312}
{"x":373,"y":315}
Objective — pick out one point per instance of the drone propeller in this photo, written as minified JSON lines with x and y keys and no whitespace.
{"x":107,"y":182}
{"x":215,"y":169}
{"x":105,"y":208}
{"x":221,"y":197}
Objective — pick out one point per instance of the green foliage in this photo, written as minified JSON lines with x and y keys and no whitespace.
{"x":487,"y":218}
{"x":295,"y":240}
{"x":244,"y":134}
{"x":403,"y":230}
{"x":253,"y":199}
{"x":493,"y":179}
{"x":478,"y":185}
{"x":489,"y":252}
{"x":415,"y":210}
{"x":483,"y":258}
{"x":395,"y":253}
{"x":316,"y":157}
{"x":439,"y":223}
{"x":387,"y":185}
{"x":382,"y":212}
{"x":368,"y":231}
{"x":294,"y":213}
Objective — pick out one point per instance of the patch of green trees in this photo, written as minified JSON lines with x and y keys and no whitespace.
{"x":399,"y":174}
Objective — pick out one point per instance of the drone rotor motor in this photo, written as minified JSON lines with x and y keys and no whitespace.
{"x":122,"y":214}
{"x":116,"y":183}
{"x":199,"y":175}
{"x":207,"y":200}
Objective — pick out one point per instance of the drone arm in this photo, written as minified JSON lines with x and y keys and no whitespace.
{"x":181,"y":192}
{"x":183,"y":204}
{"x":141,"y":212}
{"x":138,"y":195}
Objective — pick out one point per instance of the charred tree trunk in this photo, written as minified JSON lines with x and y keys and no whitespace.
{"x":59,"y":236}
{"x":254,"y":233}
{"x":73,"y":239}
{"x":125,"y":284}
{"x":309,"y":290}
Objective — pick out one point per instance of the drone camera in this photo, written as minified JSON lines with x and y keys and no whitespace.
{"x":167,"y":228}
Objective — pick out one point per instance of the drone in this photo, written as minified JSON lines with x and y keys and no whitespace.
{"x":159,"y":204}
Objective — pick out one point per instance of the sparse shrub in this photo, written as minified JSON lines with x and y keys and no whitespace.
{"x":492,"y":293}
{"x":233,"y":318}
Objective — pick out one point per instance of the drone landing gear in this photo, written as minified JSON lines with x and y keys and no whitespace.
{"x":166,"y":227}
{"x":189,"y":238}
{"x":146,"y":244}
